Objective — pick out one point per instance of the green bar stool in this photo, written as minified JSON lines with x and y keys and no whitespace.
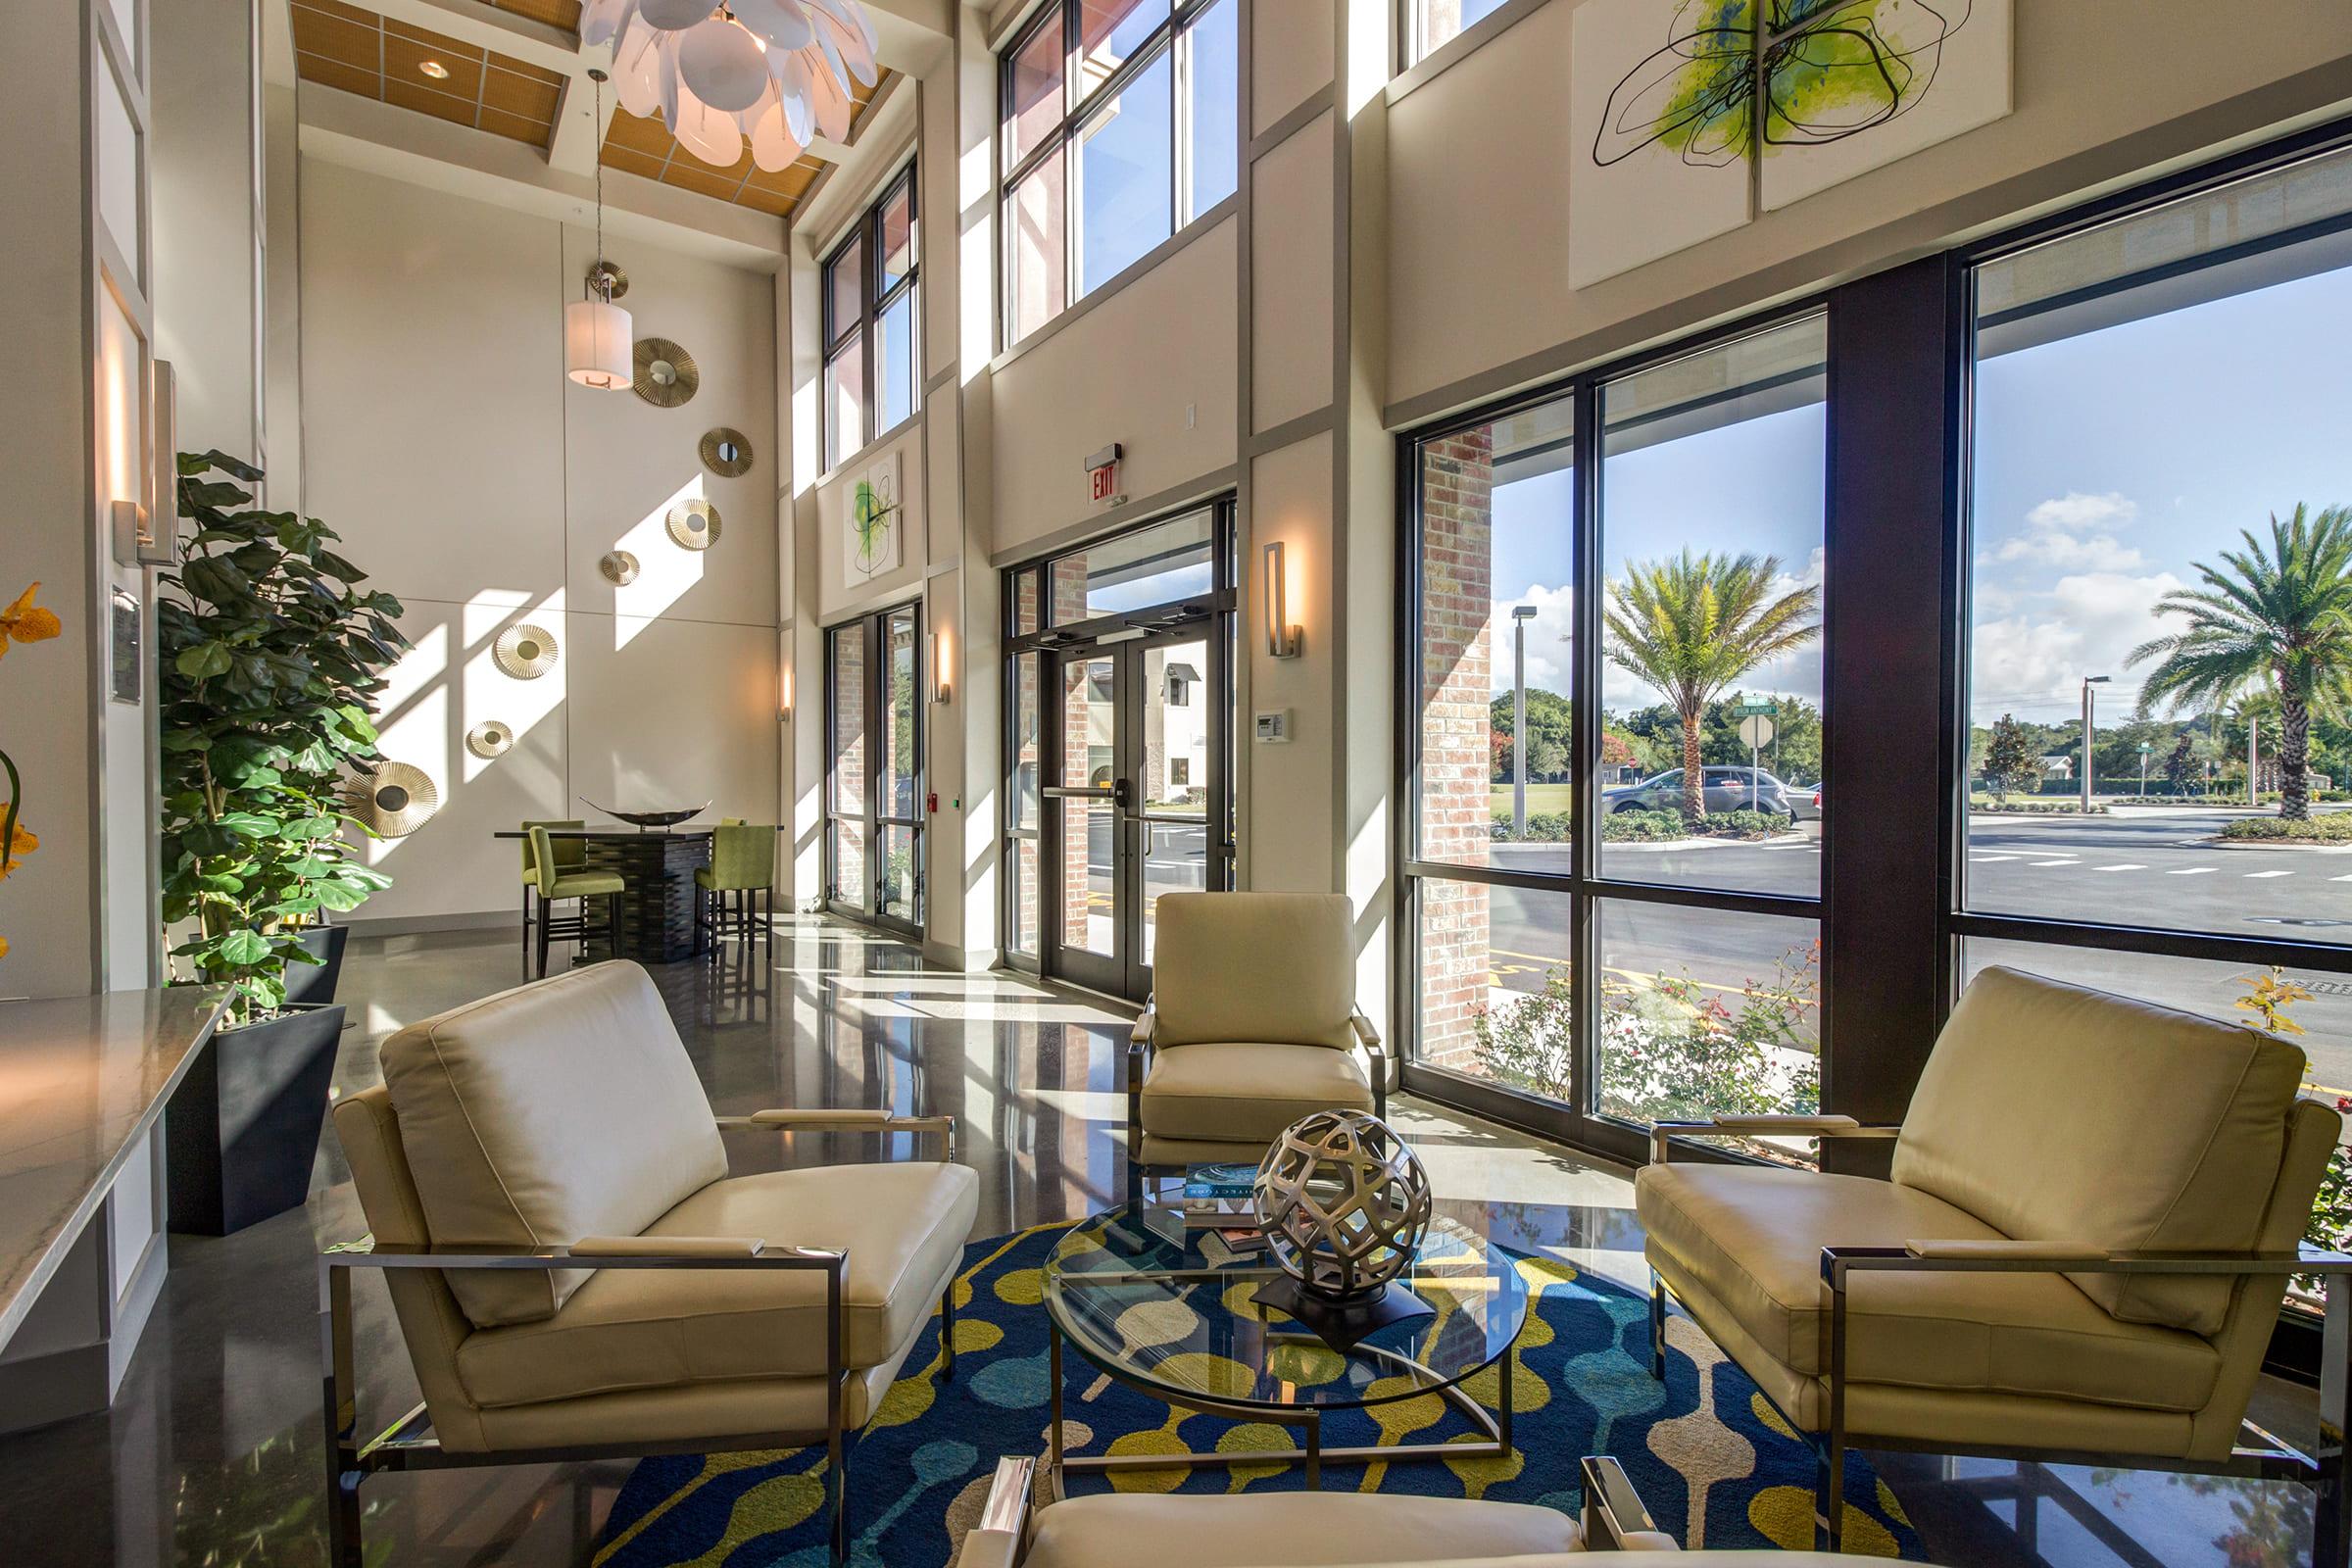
{"x":570,"y":854}
{"x":735,"y":895}
{"x":557,"y":884}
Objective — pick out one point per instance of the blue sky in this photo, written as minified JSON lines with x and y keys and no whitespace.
{"x":2105,"y":465}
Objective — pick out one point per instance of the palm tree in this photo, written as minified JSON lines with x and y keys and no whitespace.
{"x":1690,"y":626}
{"x":2280,"y":617}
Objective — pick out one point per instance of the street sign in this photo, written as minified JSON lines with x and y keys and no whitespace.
{"x":1745,"y":709}
{"x":1755,"y":732}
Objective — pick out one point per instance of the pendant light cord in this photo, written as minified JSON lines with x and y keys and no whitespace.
{"x":602,"y":280}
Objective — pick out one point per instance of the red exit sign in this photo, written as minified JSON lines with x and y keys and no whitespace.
{"x":1102,"y":474}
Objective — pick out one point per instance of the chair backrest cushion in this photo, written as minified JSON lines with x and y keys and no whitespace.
{"x":2054,"y":1112}
{"x":562,"y":1110}
{"x":1277,"y":968}
{"x":743,"y":855}
{"x":567,"y":852}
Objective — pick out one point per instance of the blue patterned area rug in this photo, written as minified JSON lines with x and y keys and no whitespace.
{"x":1715,"y":1463}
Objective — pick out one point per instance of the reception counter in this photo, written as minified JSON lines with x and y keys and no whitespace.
{"x":83,"y":1081}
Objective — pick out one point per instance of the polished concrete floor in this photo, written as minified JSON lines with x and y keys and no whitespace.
{"x":211,"y":1456}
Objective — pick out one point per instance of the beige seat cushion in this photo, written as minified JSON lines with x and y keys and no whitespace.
{"x":1753,"y":1237}
{"x":560,"y":1109}
{"x":904,"y":1226}
{"x":1296,"y":1530}
{"x":1253,"y":966}
{"x":1247,"y":1092}
{"x":2052,"y":1112}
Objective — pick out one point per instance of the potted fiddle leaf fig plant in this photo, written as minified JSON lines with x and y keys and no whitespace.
{"x":269,"y":656}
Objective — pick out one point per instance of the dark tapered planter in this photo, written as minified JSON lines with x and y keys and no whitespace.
{"x":306,"y":983}
{"x":243,"y":1126}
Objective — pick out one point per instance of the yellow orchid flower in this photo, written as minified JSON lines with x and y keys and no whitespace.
{"x":21,"y":842}
{"x":27,"y":622}
{"x":3,"y":947}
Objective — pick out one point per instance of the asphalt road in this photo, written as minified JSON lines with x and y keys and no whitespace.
{"x":2154,"y":864}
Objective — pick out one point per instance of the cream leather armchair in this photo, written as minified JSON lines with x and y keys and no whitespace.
{"x":1253,"y":1024}
{"x":577,"y":1275}
{"x":2094,"y":1209}
{"x":1326,"y":1530}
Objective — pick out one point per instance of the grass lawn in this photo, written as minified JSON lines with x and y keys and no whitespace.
{"x":1540,"y":797}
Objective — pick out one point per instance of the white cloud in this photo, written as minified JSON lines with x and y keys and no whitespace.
{"x":2031,"y":663}
{"x":2066,"y":551}
{"x":2074,"y":512}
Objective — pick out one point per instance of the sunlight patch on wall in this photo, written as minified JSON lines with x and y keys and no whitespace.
{"x":488,"y":693}
{"x":666,"y":569}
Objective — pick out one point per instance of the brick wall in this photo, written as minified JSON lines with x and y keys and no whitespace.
{"x":1069,"y":590}
{"x":1026,"y":697}
{"x":1458,"y":603}
{"x":849,"y":726}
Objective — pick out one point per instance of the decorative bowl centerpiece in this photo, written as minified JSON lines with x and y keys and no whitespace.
{"x":652,"y":819}
{"x":1343,"y":1205}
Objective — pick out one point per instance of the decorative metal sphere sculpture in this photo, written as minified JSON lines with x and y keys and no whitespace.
{"x":1343,"y":1205}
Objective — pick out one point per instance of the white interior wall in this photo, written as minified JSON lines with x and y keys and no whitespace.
{"x":482,"y":488}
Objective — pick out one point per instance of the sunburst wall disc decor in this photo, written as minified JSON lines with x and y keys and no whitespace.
{"x":395,"y":801}
{"x":665,"y":373}
{"x":489,"y":740}
{"x":620,"y":567}
{"x":694,"y":524}
{"x":726,"y":453}
{"x":524,"y":651}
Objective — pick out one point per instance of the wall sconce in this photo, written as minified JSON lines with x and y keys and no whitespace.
{"x":941,"y":687}
{"x":1282,"y":636}
{"x":784,"y":695}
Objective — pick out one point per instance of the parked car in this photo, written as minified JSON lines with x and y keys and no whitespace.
{"x":1728,"y":789}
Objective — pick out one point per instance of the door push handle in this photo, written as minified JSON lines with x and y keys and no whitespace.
{"x":1121,"y":794}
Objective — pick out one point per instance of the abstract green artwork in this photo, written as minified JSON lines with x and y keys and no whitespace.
{"x":1693,"y":116}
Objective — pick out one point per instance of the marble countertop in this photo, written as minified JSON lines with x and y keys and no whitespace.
{"x":81,"y":1080}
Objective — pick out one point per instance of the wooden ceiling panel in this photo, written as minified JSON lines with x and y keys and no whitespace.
{"x":354,"y":50}
{"x":341,"y":46}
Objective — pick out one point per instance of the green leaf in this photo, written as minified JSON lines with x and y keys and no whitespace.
{"x":312,"y":827}
{"x":247,"y":824}
{"x":193,"y":464}
{"x":335,"y":896}
{"x":203,"y":660}
{"x":244,"y":948}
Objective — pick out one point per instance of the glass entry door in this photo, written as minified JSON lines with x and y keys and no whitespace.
{"x":1134,"y":800}
{"x":874,"y":797}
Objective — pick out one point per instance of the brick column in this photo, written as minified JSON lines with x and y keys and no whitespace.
{"x":850,"y":726}
{"x":1457,"y":605}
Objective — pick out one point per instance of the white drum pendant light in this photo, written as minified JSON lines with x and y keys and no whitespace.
{"x":778,"y":71}
{"x":597,"y":333}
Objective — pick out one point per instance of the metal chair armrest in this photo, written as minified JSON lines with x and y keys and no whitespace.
{"x":1763,"y":1126}
{"x":1365,"y":1032}
{"x":1146,"y":1026}
{"x":1615,"y":1519}
{"x":2064,"y":1258}
{"x":1001,"y":1536}
{"x":848,"y":1119}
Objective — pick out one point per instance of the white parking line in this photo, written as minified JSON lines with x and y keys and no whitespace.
{"x":2194,"y":870}
{"x":1987,"y":860}
{"x":2125,"y":867}
{"x":2057,"y":862}
{"x":2253,"y":875}
{"x":2341,"y":879}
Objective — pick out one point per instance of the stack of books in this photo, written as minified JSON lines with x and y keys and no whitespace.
{"x":1211,"y":1198}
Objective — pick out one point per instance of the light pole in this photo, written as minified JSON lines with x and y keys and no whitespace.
{"x":2089,"y":681}
{"x":2144,"y":749}
{"x":1521,"y":614}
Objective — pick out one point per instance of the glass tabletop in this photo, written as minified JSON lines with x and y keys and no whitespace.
{"x":1171,"y":1319}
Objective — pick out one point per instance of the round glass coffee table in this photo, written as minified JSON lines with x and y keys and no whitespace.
{"x":1167,"y":1318}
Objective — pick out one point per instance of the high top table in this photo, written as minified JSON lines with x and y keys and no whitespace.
{"x":657,"y":909}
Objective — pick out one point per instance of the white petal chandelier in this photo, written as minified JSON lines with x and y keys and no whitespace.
{"x":776,"y":70}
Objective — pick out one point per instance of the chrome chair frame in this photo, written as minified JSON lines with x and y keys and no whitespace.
{"x":2267,"y":1458}
{"x":408,"y":1444}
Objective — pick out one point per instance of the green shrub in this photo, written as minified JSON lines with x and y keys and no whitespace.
{"x":1640,"y":826}
{"x":1672,"y":1050}
{"x":2333,"y":828}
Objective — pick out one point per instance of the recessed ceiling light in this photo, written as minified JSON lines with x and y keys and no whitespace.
{"x":435,"y":69}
